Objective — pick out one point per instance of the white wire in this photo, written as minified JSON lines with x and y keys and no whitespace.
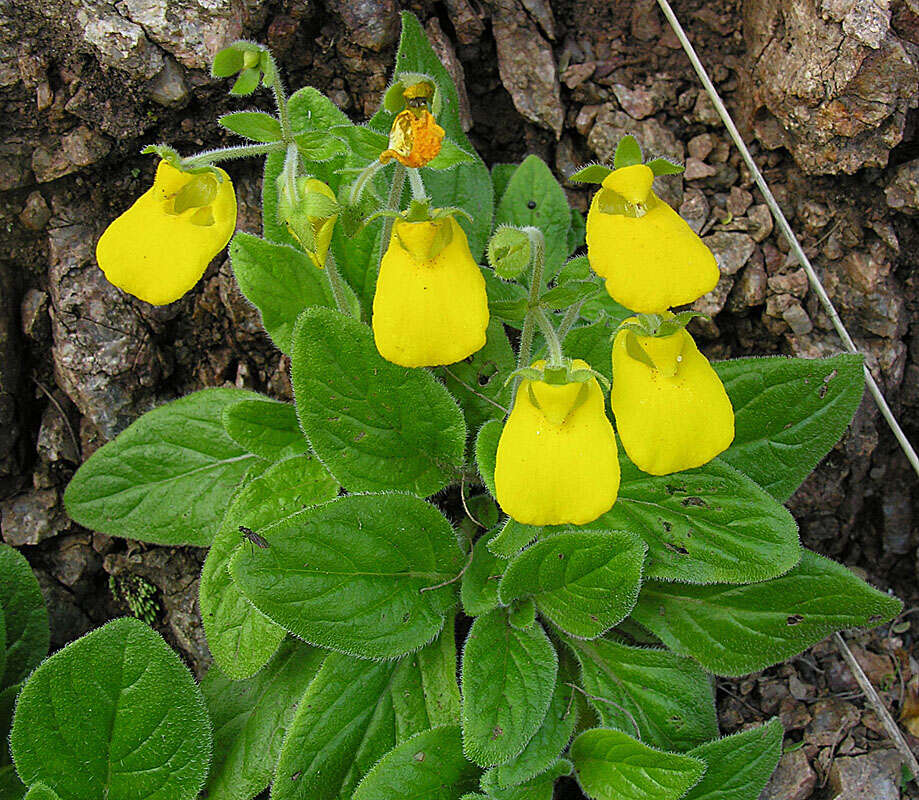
{"x":788,"y":232}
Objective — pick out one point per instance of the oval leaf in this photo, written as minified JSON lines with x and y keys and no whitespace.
{"x":508,"y":680}
{"x":167,"y":478}
{"x":24,"y":615}
{"x":266,"y":428}
{"x":584,"y":582}
{"x":479,"y":591}
{"x":734,"y":630}
{"x":373,"y":424}
{"x":613,"y":766}
{"x":663,"y":698}
{"x":486,"y":449}
{"x":738,"y":767}
{"x":255,"y":125}
{"x":113,"y":714}
{"x":430,"y":765}
{"x":355,"y":574}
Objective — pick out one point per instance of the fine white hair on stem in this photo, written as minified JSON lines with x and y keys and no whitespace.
{"x":787,"y":232}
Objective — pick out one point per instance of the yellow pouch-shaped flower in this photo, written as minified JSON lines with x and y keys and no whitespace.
{"x":557,"y":460}
{"x":159,"y":248}
{"x":672,"y":412}
{"x":430,"y":306}
{"x":650,"y":257}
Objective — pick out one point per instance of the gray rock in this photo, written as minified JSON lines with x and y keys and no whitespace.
{"x":865,"y":292}
{"x":466,"y":21}
{"x":731,"y":250}
{"x":793,"y":283}
{"x":793,"y":779}
{"x":168,"y":87}
{"x":35,"y":214}
{"x":527,"y":66}
{"x":694,"y":209}
{"x":103,"y":354}
{"x":696,"y":169}
{"x":10,"y":373}
{"x":638,"y":102}
{"x":749,"y":289}
{"x":373,"y":24}
{"x":116,"y":41}
{"x":78,"y":148}
{"x":32,"y":517}
{"x":797,"y":320}
{"x":902,"y":192}
{"x":836,"y":80}
{"x":873,"y":776}
{"x":762,"y":220}
{"x":712,"y":303}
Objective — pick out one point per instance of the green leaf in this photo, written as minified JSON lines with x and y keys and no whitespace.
{"x":255,"y":125}
{"x":667,"y":697}
{"x":592,"y":343}
{"x":429,"y":766}
{"x":522,"y":614}
{"x":239,"y":636}
{"x":539,"y":788}
{"x":113,"y":714}
{"x":734,"y":630}
{"x":486,"y":448}
{"x":24,"y":615}
{"x":534,"y":197}
{"x":543,"y":750}
{"x":251,"y":717}
{"x":319,"y":145}
{"x":167,"y":478}
{"x":500,"y":177}
{"x":7,"y":704}
{"x":38,"y":791}
{"x":561,"y":297}
{"x":266,"y":428}
{"x":311,"y":110}
{"x":227,"y":62}
{"x":628,"y":152}
{"x":478,"y":381}
{"x":11,"y":788}
{"x":354,"y":574}
{"x":592,"y":173}
{"x":506,"y":301}
{"x":355,"y":711}
{"x":512,"y":538}
{"x":577,"y":233}
{"x":704,"y":525}
{"x":508,"y":680}
{"x":661,"y":166}
{"x":467,"y":186}
{"x":613,"y":766}
{"x":247,"y":82}
{"x":788,"y":413}
{"x":374,"y":425}
{"x":738,"y":766}
{"x":272,"y":228}
{"x":278,"y":280}
{"x":451,"y":155}
{"x":584,"y":582}
{"x":364,"y":142}
{"x":479,"y":591}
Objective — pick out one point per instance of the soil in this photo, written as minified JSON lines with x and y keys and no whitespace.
{"x":79,"y":361}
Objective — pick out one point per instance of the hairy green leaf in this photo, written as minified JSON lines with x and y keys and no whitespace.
{"x":613,"y":766}
{"x":734,"y":630}
{"x":508,"y":680}
{"x":738,"y":767}
{"x":429,"y":766}
{"x":585,"y":582}
{"x":239,"y":636}
{"x":512,"y":538}
{"x":788,"y":413}
{"x":280,"y":281}
{"x":167,"y":478}
{"x":486,"y":449}
{"x":113,"y":714}
{"x":266,"y":428}
{"x":255,"y":125}
{"x":479,"y":591}
{"x":24,"y":616}
{"x":250,"y":719}
{"x":534,"y":198}
{"x":374,"y":425}
{"x":360,"y":574}
{"x":664,"y":699}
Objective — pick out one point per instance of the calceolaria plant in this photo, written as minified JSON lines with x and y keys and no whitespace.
{"x":513,"y":523}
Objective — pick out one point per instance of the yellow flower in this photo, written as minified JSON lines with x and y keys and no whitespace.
{"x":557,"y":461}
{"x":672,"y":412}
{"x":415,"y":138}
{"x":430,"y":306}
{"x":650,"y":257}
{"x":159,"y":248}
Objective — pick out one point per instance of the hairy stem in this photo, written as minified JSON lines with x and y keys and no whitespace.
{"x":226,"y":153}
{"x":339,"y":293}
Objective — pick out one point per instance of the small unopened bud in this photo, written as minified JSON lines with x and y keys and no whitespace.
{"x":509,"y":252}
{"x":310,"y":218}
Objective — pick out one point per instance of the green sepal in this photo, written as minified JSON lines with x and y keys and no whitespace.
{"x":662,"y":166}
{"x":509,"y":251}
{"x":628,"y":152}
{"x":592,"y":173}
{"x":394,"y":100}
{"x":247,"y":82}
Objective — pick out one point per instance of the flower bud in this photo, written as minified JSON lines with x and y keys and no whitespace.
{"x":509,"y":252}
{"x":557,"y":461}
{"x":159,"y":248}
{"x":311,"y":218}
{"x":672,"y":412}
{"x":650,"y":257}
{"x":430,"y":306}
